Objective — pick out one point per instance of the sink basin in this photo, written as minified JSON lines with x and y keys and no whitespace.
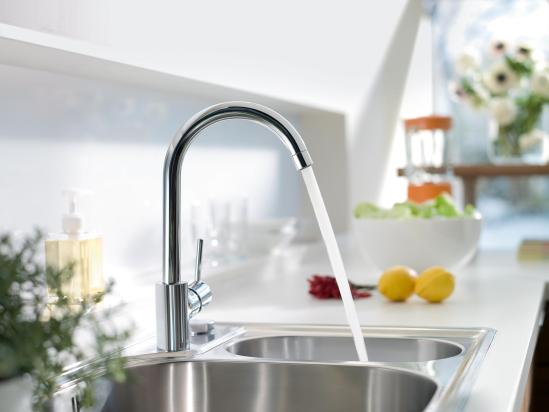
{"x":270,"y":367}
{"x":212,"y":386}
{"x":341,"y":348}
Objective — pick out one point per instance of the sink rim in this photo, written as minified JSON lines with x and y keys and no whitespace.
{"x":135,"y":362}
{"x":239,"y":340}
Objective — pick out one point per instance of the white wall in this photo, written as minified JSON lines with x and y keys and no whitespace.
{"x":417,"y":100}
{"x":373,"y":124}
{"x":58,"y":132}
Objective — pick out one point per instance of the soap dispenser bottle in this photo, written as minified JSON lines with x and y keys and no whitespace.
{"x":74,"y":246}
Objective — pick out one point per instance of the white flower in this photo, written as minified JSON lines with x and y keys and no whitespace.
{"x":457,"y":93}
{"x":540,"y":82}
{"x":498,"y":47}
{"x":503,"y":110}
{"x":531,"y":139}
{"x":467,"y":62}
{"x":476,"y":97}
{"x":500,"y":78}
{"x":524,"y":51}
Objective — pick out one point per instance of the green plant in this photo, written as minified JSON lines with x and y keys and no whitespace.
{"x":39,"y":338}
{"x":442,"y":206}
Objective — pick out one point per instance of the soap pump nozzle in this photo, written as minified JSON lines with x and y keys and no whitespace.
{"x":73,"y":221}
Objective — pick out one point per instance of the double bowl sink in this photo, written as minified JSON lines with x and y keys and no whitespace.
{"x":258,"y":367}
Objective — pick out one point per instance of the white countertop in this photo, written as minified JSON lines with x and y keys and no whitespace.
{"x":494,"y":290}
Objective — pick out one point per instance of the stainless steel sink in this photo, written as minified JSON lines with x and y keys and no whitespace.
{"x":220,"y":386}
{"x":266,"y":367}
{"x":341,"y":348}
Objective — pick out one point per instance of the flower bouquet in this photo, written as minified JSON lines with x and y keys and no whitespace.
{"x":512,"y":84}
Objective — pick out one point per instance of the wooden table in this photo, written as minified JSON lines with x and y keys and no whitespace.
{"x":470,"y":174}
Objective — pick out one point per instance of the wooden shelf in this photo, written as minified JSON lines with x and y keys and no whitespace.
{"x":469,"y":174}
{"x":491,"y":170}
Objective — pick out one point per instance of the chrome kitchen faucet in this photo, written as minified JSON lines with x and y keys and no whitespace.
{"x":176,"y":300}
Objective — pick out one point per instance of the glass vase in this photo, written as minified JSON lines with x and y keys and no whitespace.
{"x":507,"y":146}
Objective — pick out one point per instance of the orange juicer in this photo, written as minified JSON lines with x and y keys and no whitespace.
{"x":427,"y":168}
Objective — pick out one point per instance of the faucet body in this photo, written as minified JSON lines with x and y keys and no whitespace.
{"x":176,"y":300}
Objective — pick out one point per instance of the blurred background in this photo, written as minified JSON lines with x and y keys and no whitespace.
{"x":92,"y":93}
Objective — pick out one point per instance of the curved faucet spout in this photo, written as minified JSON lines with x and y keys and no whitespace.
{"x":176,"y":153}
{"x":176,"y":300}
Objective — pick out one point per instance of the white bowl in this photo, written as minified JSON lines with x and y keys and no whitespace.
{"x":418,"y":243}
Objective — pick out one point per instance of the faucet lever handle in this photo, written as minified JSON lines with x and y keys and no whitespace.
{"x":198,"y":264}
{"x":200,"y":294}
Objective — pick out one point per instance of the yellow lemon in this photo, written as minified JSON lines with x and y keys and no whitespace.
{"x":435,"y":284}
{"x":397,"y":283}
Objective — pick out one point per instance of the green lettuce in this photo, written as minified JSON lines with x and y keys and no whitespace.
{"x":443,"y":206}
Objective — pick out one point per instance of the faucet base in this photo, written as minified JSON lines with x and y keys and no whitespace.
{"x":172,"y":328}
